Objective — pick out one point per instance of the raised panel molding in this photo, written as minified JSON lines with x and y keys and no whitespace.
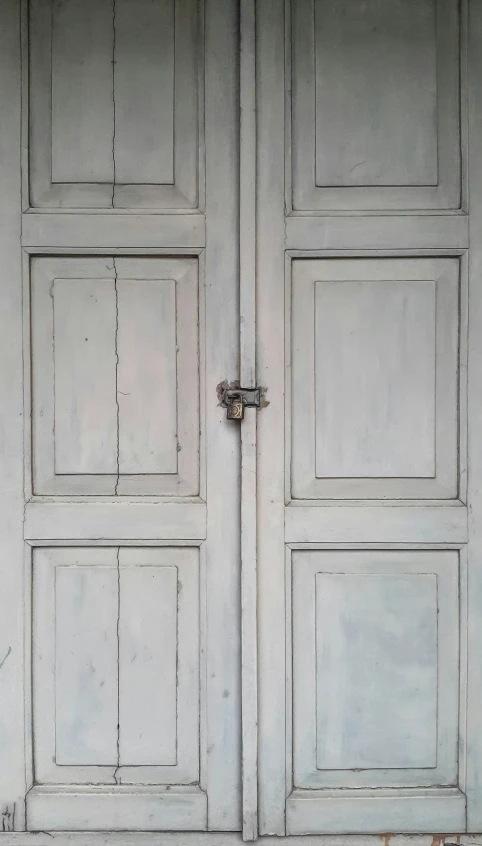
{"x":115,"y":376}
{"x":375,"y":676}
{"x":114,"y":104}
{"x":375,"y":120}
{"x":116,"y":665}
{"x":373,"y":381}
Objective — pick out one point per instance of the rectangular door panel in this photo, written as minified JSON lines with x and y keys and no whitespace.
{"x":115,"y":93}
{"x":116,"y":665}
{"x":116,"y":376}
{"x":375,"y":679}
{"x":374,"y":378}
{"x":375,"y":119}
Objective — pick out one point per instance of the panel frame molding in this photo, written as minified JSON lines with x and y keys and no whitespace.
{"x":185,"y":268}
{"x":187,"y":769}
{"x":357,"y":561}
{"x":323,"y":797}
{"x":185,"y":195}
{"x":313,"y":492}
{"x":303,"y":196}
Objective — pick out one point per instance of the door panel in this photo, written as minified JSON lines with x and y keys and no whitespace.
{"x":374,"y":378}
{"x":110,"y":336}
{"x":376,"y":102}
{"x":131,"y":627}
{"x":364,"y":568}
{"x":122,"y":132}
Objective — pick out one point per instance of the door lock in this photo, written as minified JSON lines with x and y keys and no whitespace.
{"x":235,"y":400}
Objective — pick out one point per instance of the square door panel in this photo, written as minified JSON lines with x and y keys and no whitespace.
{"x":115,"y":376}
{"x":114,"y":103}
{"x":375,"y":677}
{"x":116,"y":665}
{"x":375,"y":105}
{"x":374,"y":378}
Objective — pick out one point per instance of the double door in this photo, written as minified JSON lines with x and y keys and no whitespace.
{"x":270,"y":625}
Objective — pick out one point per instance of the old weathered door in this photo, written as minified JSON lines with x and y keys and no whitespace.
{"x":120,"y":656}
{"x":369,"y":310}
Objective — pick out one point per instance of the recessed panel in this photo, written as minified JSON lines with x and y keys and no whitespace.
{"x":115,"y":358}
{"x":375,"y":675}
{"x":85,"y":417}
{"x":148,"y":665}
{"x":374,"y":378}
{"x":114,"y":103}
{"x":85,"y":663}
{"x":116,"y":665}
{"x":147,"y":376}
{"x":376,"y":670}
{"x":375,"y":117}
{"x":376,"y":93}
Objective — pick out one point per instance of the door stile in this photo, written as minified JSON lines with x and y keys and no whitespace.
{"x":270,"y":55}
{"x":474,"y":692}
{"x":247,"y":269}
{"x":12,"y":761}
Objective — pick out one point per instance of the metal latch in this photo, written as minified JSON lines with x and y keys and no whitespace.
{"x":235,"y":399}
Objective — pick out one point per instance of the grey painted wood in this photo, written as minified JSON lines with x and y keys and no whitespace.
{"x":379,"y":340}
{"x":223,"y":690}
{"x":147,"y":376}
{"x":340,"y":812}
{"x":69,"y":585}
{"x":365,"y":631}
{"x":111,"y":520}
{"x":359,"y":231}
{"x":159,"y":660}
{"x":147,"y":669}
{"x":270,"y":341}
{"x":85,"y":409}
{"x":144,"y":92}
{"x":82,"y":41}
{"x":370,"y":523}
{"x":247,"y":294}
{"x":474,"y":740}
{"x":85,"y":655}
{"x":90,"y":809}
{"x":352,"y":45}
{"x":340,"y":783}
{"x":132,"y":347}
{"x":128,"y":134}
{"x":126,"y":838}
{"x":347,"y":61}
{"x":87,"y":231}
{"x":13,"y":756}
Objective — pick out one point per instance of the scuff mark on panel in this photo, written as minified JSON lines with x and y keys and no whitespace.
{"x":8,"y":652}
{"x":8,"y":818}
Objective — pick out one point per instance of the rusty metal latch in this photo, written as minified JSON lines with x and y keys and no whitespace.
{"x":235,"y":399}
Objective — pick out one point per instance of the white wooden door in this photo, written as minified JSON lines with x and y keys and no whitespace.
{"x":119,"y":570}
{"x":369,"y":216}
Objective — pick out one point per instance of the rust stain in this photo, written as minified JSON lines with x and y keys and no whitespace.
{"x":386,"y":839}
